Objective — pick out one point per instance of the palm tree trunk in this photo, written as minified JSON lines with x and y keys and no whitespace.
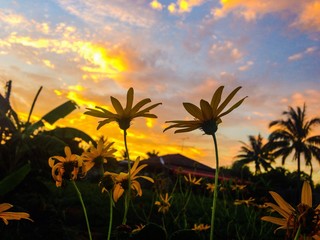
{"x":298,"y":180}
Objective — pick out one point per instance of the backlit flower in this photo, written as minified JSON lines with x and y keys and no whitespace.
{"x":192,"y":180}
{"x":121,"y":180}
{"x":200,"y":227}
{"x":238,"y":187}
{"x":123,"y":116}
{"x":65,"y":167}
{"x":5,"y":216}
{"x":208,"y":116}
{"x":163,"y":203}
{"x":138,"y":228}
{"x":303,"y":216}
{"x":247,"y":202}
{"x":97,"y":155}
{"x":210,"y":187}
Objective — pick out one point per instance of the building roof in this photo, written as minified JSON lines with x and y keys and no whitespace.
{"x":181,"y":164}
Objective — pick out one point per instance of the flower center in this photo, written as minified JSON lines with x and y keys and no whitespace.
{"x":70,"y":170}
{"x":209,"y":127}
{"x":124,"y":123}
{"x":106,"y":183}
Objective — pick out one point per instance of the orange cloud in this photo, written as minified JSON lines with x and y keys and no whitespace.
{"x":98,"y":59}
{"x":309,"y":19}
{"x":306,"y":12}
{"x":251,"y":9}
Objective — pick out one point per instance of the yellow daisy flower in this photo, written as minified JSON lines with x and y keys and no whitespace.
{"x":192,"y":180}
{"x":5,"y":216}
{"x":97,"y":154}
{"x":121,"y":180}
{"x":210,"y":187}
{"x":164,"y":203}
{"x":200,"y":227}
{"x":304,"y":217}
{"x":123,"y":116}
{"x":237,"y":187}
{"x":66,"y":168}
{"x":208,"y":116}
{"x":244,"y":201}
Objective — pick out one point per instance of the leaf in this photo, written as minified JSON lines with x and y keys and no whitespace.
{"x":69,"y":133}
{"x":5,"y":107}
{"x":14,"y":179}
{"x":60,"y":112}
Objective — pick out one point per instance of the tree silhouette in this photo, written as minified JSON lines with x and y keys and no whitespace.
{"x":24,"y":141}
{"x":154,"y":153}
{"x":256,"y":152}
{"x":292,"y":136}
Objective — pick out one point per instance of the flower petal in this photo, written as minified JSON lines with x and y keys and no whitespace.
{"x":139,"y":105}
{"x":107,"y":113}
{"x":104,"y":122}
{"x":145,"y":111}
{"x":282,"y":203}
{"x":117,"y":106}
{"x":216,"y":98}
{"x":193,"y":110}
{"x":135,"y":165}
{"x":278,"y":209}
{"x":5,"y":207}
{"x":130,"y":95}
{"x":95,"y":113}
{"x":206,"y":110}
{"x":232,"y":108}
{"x":135,"y":185}
{"x":227,"y":100}
{"x":277,"y":221}
{"x":117,"y":192}
{"x":147,"y":178}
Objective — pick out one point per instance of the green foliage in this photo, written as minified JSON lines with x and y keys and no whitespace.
{"x":23,"y":142}
{"x":14,"y":179}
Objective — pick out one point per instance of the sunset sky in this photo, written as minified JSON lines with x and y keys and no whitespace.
{"x":171,"y":51}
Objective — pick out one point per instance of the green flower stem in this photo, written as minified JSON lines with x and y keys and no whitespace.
{"x":215,"y":194}
{"x":83,"y":207}
{"x":111,"y":216}
{"x":128,"y":195}
{"x":298,"y":233}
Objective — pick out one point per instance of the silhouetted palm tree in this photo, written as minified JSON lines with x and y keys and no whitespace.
{"x":292,"y":136}
{"x":256,"y":152}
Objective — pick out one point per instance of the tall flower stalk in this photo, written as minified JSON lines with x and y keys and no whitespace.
{"x":207,"y":118}
{"x":123,"y":117}
{"x":83,"y":207}
{"x":215,"y":193}
{"x":97,"y":156}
